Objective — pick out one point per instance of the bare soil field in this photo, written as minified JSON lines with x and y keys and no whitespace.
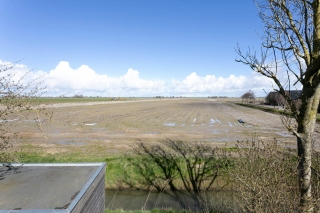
{"x":111,"y":129}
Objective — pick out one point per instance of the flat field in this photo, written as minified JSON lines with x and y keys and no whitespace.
{"x":110,"y":129}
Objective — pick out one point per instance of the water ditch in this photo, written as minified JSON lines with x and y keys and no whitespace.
{"x":137,"y":200}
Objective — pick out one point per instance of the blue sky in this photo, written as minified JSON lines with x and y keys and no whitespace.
{"x":133,"y":47}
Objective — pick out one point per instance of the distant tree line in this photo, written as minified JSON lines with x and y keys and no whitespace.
{"x":217,"y":97}
{"x":159,"y":96}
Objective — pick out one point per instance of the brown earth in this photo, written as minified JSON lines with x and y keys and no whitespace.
{"x":113,"y":128}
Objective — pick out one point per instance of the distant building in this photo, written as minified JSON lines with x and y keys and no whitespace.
{"x":276,"y":99}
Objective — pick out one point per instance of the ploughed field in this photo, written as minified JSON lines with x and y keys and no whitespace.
{"x":112,"y":128}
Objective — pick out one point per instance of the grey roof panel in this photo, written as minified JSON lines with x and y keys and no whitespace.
{"x":53,"y":187}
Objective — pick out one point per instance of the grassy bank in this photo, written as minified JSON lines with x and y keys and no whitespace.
{"x":120,"y":172}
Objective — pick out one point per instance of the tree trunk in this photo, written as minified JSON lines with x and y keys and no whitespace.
{"x":304,"y":169}
{"x":306,"y":125}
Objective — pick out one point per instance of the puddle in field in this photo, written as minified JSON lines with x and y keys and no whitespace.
{"x":220,"y":139}
{"x":219,"y":131}
{"x":8,"y":120}
{"x":224,"y":139}
{"x":35,"y":120}
{"x":284,"y":134}
{"x":151,"y":133}
{"x":216,"y":132}
{"x":212,"y":121}
{"x":270,"y":128}
{"x":118,"y":133}
{"x":70,"y":143}
{"x":169,"y":124}
{"x":183,"y":125}
{"x":98,"y":128}
{"x":229,"y":124}
{"x":194,"y":120}
{"x":93,"y":124}
{"x":76,"y":141}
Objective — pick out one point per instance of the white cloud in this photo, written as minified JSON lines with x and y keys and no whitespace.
{"x":64,"y":80}
{"x":212,"y":85}
{"x":19,"y":72}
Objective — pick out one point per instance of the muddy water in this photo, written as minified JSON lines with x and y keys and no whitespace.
{"x":137,"y":200}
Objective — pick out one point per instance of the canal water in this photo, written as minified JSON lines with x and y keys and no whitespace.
{"x":145,"y":200}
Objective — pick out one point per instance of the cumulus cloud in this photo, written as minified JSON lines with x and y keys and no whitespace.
{"x":19,"y":72}
{"x":213,"y":85}
{"x":65,"y":80}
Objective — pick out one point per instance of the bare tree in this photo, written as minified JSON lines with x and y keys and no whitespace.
{"x":17,"y":96}
{"x":248,"y":97}
{"x":291,"y":42}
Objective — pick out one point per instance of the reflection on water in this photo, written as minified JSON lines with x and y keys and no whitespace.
{"x":169,"y":124}
{"x":137,"y":200}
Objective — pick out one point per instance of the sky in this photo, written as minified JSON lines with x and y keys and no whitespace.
{"x":133,"y":48}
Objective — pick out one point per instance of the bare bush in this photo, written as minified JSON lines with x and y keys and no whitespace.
{"x":248,"y":97}
{"x":17,"y":98}
{"x":265,"y":178}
